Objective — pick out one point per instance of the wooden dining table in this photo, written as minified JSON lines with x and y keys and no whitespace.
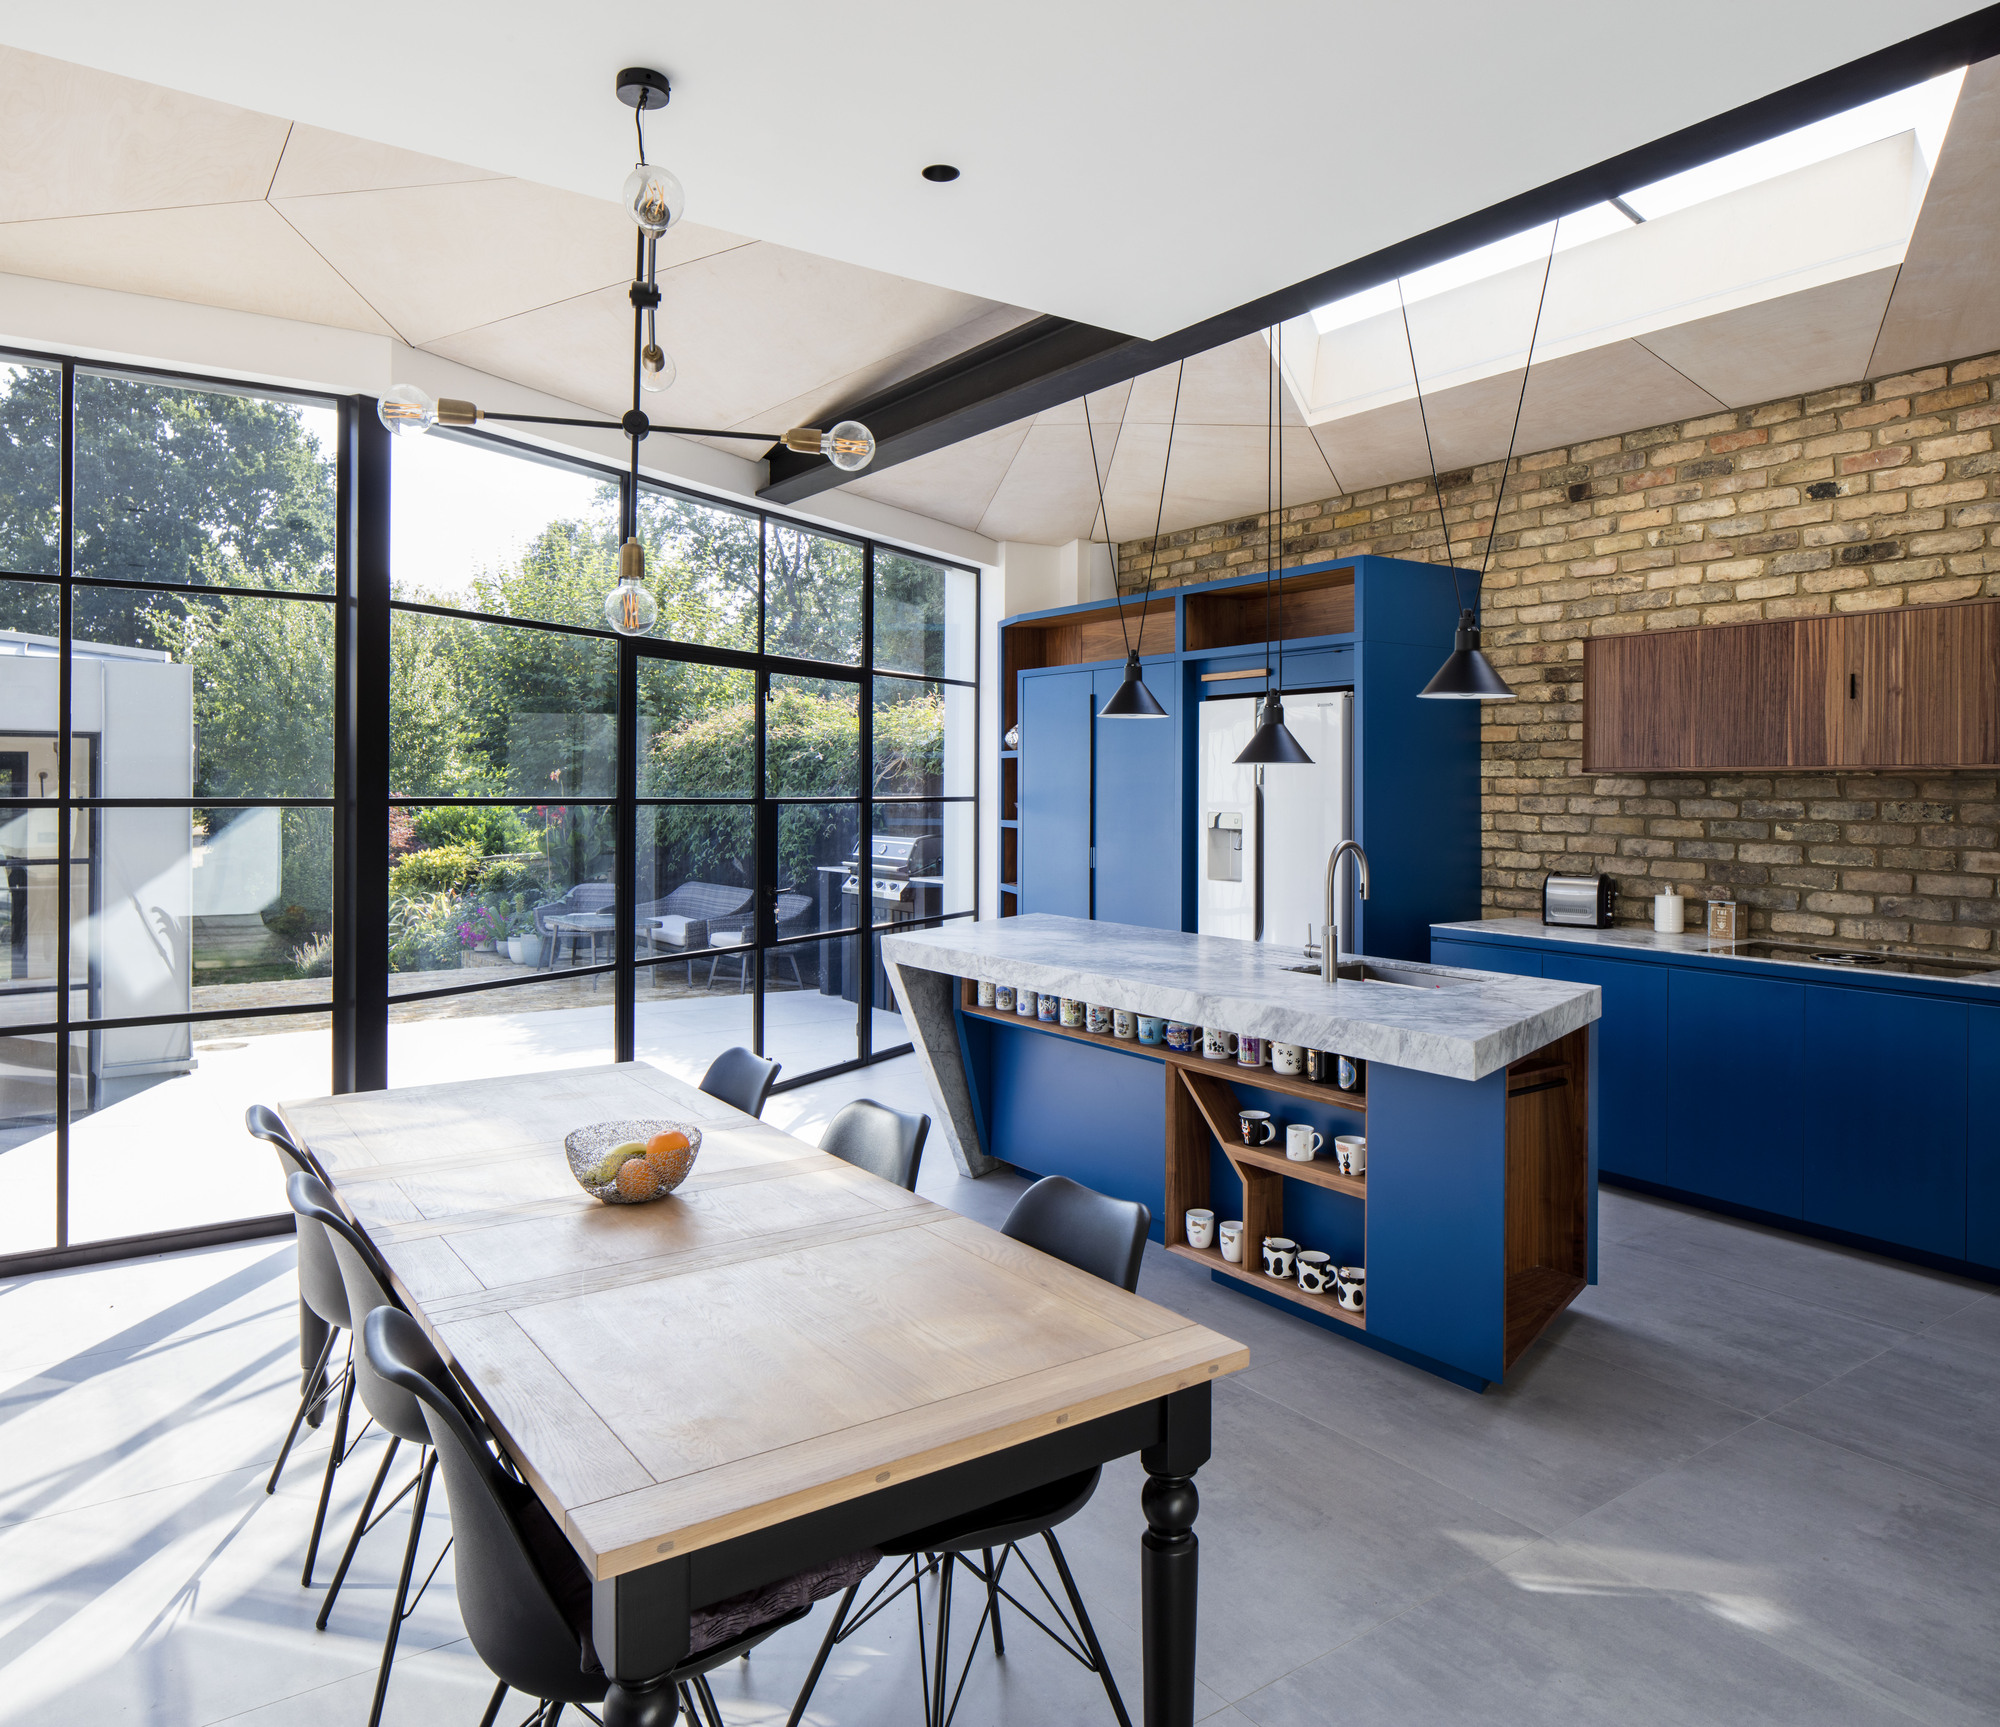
{"x":784,"y":1360}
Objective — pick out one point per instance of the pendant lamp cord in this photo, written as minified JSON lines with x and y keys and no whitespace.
{"x":639,"y":126}
{"x":1152,"y":556}
{"x":1521,"y":401}
{"x":1270,"y":420}
{"x":1450,"y":563}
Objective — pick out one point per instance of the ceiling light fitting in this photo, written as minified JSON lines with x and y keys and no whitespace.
{"x":1131,"y":700}
{"x":655,"y":200}
{"x":940,"y":173}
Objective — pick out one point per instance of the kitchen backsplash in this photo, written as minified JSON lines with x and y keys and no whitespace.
{"x":1866,"y":496}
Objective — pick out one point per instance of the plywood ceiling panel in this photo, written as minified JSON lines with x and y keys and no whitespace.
{"x":241,"y":256}
{"x":317,"y":161}
{"x":1803,"y":342}
{"x":1048,"y":495}
{"x":76,"y":142}
{"x":1945,"y":305}
{"x":952,"y":485}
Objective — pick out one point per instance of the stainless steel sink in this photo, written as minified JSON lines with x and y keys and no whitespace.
{"x":1365,"y":971}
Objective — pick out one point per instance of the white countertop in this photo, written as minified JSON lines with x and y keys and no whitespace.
{"x":1473,"y":1025}
{"x":1631,"y":937}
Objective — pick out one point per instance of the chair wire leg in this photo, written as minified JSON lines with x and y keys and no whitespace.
{"x":403,"y":1586}
{"x":993,"y":1602}
{"x":555,"y":1709}
{"x":941,"y":1667}
{"x":1089,"y":1631}
{"x":354,"y":1540}
{"x":711,"y":1710}
{"x":493,"y":1708}
{"x":313,"y":1393}
{"x":333,"y":1458}
{"x":825,"y":1649}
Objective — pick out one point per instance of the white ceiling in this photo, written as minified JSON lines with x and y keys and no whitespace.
{"x":1138,"y":164}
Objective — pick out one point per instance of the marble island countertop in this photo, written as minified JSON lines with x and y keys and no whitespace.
{"x":1473,"y":1024}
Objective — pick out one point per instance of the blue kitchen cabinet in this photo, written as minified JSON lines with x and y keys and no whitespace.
{"x":1487,"y":956}
{"x":1885,"y":1117}
{"x":1736,"y":1062}
{"x":1056,"y":715}
{"x":1982,"y":1147}
{"x":1631,"y":1088}
{"x":1136,"y":800}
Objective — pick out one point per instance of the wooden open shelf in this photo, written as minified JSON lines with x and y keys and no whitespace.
{"x":1318,"y":604}
{"x":1211,"y":1257}
{"x":1261,"y":1077}
{"x":1216,"y":1099}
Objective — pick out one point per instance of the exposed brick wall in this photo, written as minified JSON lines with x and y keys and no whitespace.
{"x":1870,"y":495}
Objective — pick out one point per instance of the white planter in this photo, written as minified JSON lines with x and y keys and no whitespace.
{"x":525,"y":949}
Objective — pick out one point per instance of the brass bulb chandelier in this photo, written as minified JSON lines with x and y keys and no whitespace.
{"x":656,"y":201}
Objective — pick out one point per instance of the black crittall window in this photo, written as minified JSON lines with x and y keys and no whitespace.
{"x":357,"y":787}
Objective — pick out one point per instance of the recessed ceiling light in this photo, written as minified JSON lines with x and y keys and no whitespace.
{"x":940,"y":172}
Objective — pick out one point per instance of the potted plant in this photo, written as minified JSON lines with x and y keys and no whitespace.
{"x":524,"y":940}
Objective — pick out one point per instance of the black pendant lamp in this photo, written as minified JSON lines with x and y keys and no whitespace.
{"x":1131,"y":700}
{"x":1468,"y":676}
{"x":1272,"y":744}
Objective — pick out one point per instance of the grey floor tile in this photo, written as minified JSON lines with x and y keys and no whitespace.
{"x":1544,"y":1640}
{"x":1931,"y":1405}
{"x":1626,"y":1216}
{"x":1566,"y":1432}
{"x":1856,"y":1568}
{"x":1864,"y":1286}
{"x":1294,"y":1519}
{"x":1753,"y":1349}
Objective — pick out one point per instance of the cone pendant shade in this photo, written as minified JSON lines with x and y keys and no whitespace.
{"x":1132,"y":700}
{"x":1468,"y":676}
{"x":1272,"y":745}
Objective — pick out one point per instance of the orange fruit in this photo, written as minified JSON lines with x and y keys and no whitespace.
{"x":662,"y":1143}
{"x":638,"y":1179}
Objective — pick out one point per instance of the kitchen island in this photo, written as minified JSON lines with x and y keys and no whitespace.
{"x":1476,"y":1219}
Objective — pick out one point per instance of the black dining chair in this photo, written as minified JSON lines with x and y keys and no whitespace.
{"x":323,"y":1316}
{"x":879,"y":1139}
{"x":740,"y":1078}
{"x":1107,"y":1238}
{"x":389,"y":1406}
{"x":523,"y":1592}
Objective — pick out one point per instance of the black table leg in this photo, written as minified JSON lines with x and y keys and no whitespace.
{"x":1170,"y":1556}
{"x":639,"y":1623}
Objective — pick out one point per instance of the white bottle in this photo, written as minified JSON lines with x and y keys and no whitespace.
{"x":1669,"y":912}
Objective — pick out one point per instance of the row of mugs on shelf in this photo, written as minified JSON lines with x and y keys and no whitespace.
{"x":1303,"y":1141}
{"x":1214,"y":1042}
{"x":1313,"y":1271}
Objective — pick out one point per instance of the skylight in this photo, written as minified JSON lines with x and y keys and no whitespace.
{"x":1924,"y":108}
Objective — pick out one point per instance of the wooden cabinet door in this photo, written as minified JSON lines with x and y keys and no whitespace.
{"x":1865,"y":705}
{"x":1138,"y":806}
{"x":1736,"y":1058}
{"x":1742,"y":695}
{"x":1639,"y":702}
{"x":1949,"y":688}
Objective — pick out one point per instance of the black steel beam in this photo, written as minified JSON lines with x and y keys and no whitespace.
{"x":367,"y":901}
{"x":1048,"y":361}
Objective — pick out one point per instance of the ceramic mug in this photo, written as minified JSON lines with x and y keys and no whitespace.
{"x":1217,"y":1044}
{"x":1347,"y":1073}
{"x":1351,"y":1149}
{"x":1072,"y":1012}
{"x":1097,"y":1019}
{"x":1048,"y":1008}
{"x":1278,"y":1252}
{"x":1315,"y":1271}
{"x":1024,"y":1001}
{"x":1287,"y":1058}
{"x":1182,"y":1037}
{"x":1151,"y":1030}
{"x":1302,"y":1142}
{"x":1351,"y":1288}
{"x":1201,"y":1228}
{"x":987,"y":993}
{"x":1124,"y":1023}
{"x":1250,"y":1051}
{"x":1003,"y":997}
{"x":1256,"y":1126}
{"x":1231,"y":1234}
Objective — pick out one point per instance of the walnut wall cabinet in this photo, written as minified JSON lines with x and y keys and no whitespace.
{"x":1914,"y":688}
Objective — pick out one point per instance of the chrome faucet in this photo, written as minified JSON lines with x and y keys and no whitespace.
{"x":1329,"y":934}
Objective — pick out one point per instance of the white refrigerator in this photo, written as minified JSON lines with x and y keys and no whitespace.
{"x":1266,"y":832}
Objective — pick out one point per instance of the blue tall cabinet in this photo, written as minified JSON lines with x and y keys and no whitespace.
{"x":1098,"y":816}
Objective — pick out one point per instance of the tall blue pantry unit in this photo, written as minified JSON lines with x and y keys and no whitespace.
{"x":1098,"y":816}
